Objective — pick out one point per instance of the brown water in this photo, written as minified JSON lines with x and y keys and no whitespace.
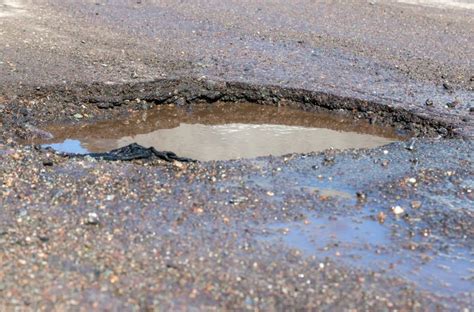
{"x":223,"y":131}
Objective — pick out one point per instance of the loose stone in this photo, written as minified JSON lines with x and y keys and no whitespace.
{"x":397,"y":210}
{"x":92,"y":218}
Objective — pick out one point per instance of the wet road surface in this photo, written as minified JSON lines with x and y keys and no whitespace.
{"x":241,"y":233}
{"x":377,"y":229}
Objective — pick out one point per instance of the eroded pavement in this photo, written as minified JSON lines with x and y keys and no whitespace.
{"x":385,"y":228}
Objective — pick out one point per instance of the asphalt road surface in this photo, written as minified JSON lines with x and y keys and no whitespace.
{"x":389,"y":228}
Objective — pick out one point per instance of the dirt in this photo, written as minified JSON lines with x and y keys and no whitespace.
{"x":394,"y":223}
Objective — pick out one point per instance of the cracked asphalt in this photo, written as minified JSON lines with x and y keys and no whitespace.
{"x":389,"y":228}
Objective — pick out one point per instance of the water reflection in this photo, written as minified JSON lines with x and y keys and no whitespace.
{"x":223,"y":131}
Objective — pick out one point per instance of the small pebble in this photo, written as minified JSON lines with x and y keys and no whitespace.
{"x":453,"y":104}
{"x":397,"y":210}
{"x":104,"y":105}
{"x":92,"y":218}
{"x":361,"y":196}
{"x":48,"y":163}
{"x":381,"y":217}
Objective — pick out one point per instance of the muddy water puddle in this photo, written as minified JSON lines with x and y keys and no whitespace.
{"x":223,"y":131}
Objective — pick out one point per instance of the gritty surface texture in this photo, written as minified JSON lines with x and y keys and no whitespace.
{"x":150,"y":234}
{"x":396,"y":54}
{"x":195,"y":234}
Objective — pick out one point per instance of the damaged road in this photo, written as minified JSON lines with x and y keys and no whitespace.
{"x":375,"y":229}
{"x":148,"y":234}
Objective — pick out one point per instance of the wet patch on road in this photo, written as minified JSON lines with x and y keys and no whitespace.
{"x":415,"y":226}
{"x":367,"y":244}
{"x":213,"y":222}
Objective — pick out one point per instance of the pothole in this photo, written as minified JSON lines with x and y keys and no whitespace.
{"x":223,"y":131}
